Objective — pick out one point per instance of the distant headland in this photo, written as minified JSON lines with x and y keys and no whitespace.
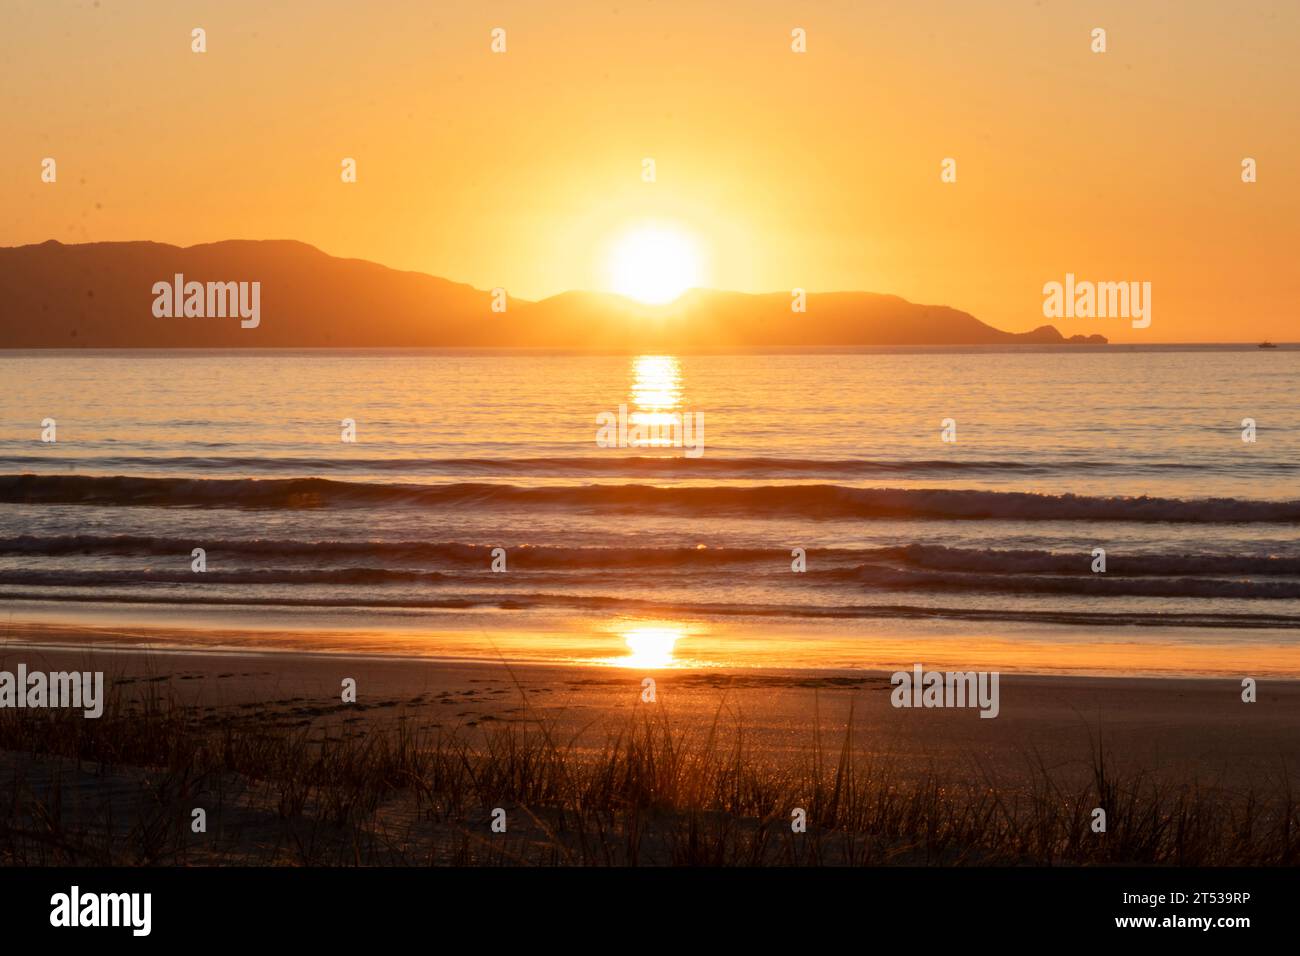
{"x":154,"y":295}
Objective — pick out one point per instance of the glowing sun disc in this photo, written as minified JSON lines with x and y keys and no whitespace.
{"x":654,"y":265}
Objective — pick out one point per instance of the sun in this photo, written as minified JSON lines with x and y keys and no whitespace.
{"x":654,"y":264}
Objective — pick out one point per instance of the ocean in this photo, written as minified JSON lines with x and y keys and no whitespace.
{"x":833,"y":460}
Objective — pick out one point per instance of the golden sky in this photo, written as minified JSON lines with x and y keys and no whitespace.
{"x":817,"y":170}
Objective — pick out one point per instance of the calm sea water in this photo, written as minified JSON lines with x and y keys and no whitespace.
{"x":1058,"y":453}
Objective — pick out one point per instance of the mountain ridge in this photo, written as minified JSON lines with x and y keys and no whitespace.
{"x":100,"y":295}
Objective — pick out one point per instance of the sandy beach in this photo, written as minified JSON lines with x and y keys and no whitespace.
{"x":1171,"y":736}
{"x":1197,"y":727}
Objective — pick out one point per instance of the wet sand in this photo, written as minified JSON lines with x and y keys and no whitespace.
{"x":1179,"y":729}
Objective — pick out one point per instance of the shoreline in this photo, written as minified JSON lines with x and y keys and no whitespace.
{"x":1179,"y":728}
{"x":601,"y":642}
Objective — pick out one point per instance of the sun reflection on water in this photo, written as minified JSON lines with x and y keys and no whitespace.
{"x":656,"y":392}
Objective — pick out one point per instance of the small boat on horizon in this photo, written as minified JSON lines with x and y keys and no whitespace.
{"x":1267,"y":345}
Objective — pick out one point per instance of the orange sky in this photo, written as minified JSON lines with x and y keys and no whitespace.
{"x":818,"y":170}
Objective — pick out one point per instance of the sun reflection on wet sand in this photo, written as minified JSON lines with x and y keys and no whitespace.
{"x":649,"y":647}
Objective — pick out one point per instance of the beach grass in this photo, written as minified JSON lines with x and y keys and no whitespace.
{"x":123,"y":790}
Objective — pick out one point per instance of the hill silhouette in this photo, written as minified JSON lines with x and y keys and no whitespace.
{"x":100,"y":295}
